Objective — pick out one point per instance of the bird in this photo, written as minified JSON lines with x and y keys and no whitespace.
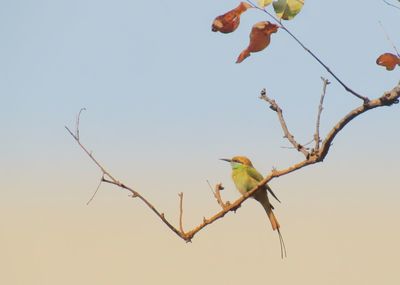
{"x":246,"y":178}
{"x":228,"y":22}
{"x":260,"y":37}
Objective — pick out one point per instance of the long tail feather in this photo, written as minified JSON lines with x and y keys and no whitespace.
{"x":262,"y":197}
{"x":274,"y":221}
{"x":282,"y":243}
{"x":276,"y":226}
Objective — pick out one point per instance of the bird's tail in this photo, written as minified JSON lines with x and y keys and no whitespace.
{"x":272,"y":218}
{"x":276,"y":226}
{"x":262,"y":197}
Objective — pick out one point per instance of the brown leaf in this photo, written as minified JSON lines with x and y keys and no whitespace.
{"x":260,"y":37}
{"x":228,"y":22}
{"x":388,"y":60}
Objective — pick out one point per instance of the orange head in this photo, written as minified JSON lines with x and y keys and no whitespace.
{"x":239,"y":159}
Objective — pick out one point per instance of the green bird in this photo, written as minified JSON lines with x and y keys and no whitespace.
{"x":246,"y":178}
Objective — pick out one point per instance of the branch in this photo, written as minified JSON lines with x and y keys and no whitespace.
{"x":320,"y":109}
{"x":77,"y":122}
{"x":136,"y":194}
{"x":95,"y":192}
{"x":390,"y":4}
{"x":348,"y":89}
{"x":217,"y":194}
{"x":114,"y":181}
{"x":181,"y":212}
{"x":388,"y":38}
{"x":387,"y":99}
{"x":275,"y":107}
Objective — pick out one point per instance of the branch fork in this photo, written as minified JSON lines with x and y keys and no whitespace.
{"x":317,"y":155}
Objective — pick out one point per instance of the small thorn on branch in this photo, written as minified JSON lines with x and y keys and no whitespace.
{"x":273,"y":108}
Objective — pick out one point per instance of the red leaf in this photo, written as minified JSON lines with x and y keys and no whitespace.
{"x":388,"y":60}
{"x":228,"y":22}
{"x":260,"y":37}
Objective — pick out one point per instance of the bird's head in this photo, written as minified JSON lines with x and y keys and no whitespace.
{"x":238,"y":161}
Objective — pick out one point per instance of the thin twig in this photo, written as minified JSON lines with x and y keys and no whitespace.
{"x":114,"y":181}
{"x":388,"y":39}
{"x":181,"y":212}
{"x":218,"y":189}
{"x":348,"y":89}
{"x":390,"y":4}
{"x":320,"y":108}
{"x":211,"y":189}
{"x":275,"y":107}
{"x":217,"y":194}
{"x":77,"y":122}
{"x":386,"y":99}
{"x":90,"y":154}
{"x":95,"y":192}
{"x":306,"y":144}
{"x":159,"y":214}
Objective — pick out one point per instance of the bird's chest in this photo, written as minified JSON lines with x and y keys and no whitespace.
{"x":243,"y":181}
{"x":258,"y":41}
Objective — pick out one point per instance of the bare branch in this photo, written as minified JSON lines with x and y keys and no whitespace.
{"x":275,"y":107}
{"x":217,"y":194}
{"x":77,"y":122}
{"x":390,"y":4}
{"x":181,"y":212}
{"x":103,"y":170}
{"x":348,"y":89}
{"x":320,"y":108}
{"x":148,"y":204}
{"x":95,"y":192}
{"x":387,"y":99}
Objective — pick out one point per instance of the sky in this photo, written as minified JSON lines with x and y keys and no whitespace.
{"x":165,"y":100}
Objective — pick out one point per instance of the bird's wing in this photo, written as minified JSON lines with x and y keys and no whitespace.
{"x":272,"y":193}
{"x":253,"y":173}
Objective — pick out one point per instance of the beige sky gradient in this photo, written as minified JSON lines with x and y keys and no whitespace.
{"x":332,"y":238}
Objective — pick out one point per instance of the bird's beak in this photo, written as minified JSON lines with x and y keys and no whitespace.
{"x":225,"y":159}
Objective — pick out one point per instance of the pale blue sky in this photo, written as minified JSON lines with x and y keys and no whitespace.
{"x":165,"y":100}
